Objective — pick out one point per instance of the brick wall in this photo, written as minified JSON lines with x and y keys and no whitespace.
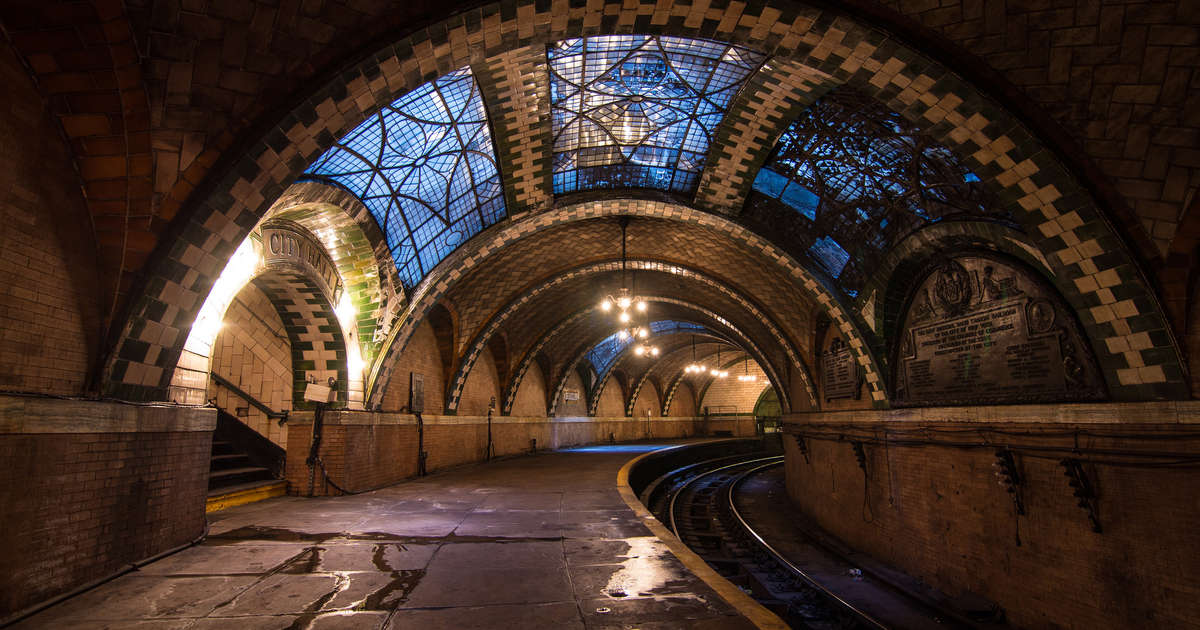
{"x":940,"y":514}
{"x":421,"y":356}
{"x":367,"y":450}
{"x":684,"y":402}
{"x":253,"y":351}
{"x":729,"y":395}
{"x":572,"y":408}
{"x":612,"y":401}
{"x":648,"y":401}
{"x":50,"y":323}
{"x":531,"y":395}
{"x":87,"y":488}
{"x":483,"y":383}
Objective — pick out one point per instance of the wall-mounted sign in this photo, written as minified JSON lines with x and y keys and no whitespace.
{"x":982,"y":331}
{"x":570,"y":394}
{"x":839,"y":371}
{"x":284,"y":244}
{"x":416,"y":393}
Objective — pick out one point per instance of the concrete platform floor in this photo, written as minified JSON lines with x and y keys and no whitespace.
{"x":533,"y":542}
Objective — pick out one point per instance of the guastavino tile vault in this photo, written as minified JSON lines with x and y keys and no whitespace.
{"x":944,"y":255}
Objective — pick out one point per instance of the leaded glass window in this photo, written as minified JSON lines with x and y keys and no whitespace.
{"x":850,"y":178}
{"x":639,"y":111}
{"x":425,"y":168}
{"x":607,"y":351}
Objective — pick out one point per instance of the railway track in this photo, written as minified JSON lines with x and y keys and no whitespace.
{"x":696,"y":502}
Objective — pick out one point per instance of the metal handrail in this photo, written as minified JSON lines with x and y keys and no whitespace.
{"x":227,"y":384}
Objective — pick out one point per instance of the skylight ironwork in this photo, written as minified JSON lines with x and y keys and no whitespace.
{"x":850,"y":178}
{"x":426,"y":169}
{"x":607,"y":351}
{"x":639,"y":111}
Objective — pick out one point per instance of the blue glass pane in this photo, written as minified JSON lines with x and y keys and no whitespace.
{"x":607,"y":351}
{"x":637,"y":110}
{"x":830,"y":254}
{"x":426,"y":169}
{"x":864,"y":175}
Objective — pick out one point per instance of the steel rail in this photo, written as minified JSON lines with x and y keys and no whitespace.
{"x":678,"y":491}
{"x":729,"y":493}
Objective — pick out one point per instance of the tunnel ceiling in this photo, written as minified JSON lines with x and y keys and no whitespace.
{"x":458,"y":136}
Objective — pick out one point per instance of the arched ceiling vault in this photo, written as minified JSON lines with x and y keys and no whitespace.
{"x":581,"y":337}
{"x":533,"y":312}
{"x":636,"y":368}
{"x":811,"y":50}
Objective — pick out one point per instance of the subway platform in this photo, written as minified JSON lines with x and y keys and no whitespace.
{"x":543,"y":541}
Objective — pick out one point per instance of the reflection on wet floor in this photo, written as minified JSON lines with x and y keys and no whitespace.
{"x":535,"y":542}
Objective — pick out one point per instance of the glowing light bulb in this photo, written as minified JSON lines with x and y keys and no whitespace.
{"x":624,"y":302}
{"x":654,"y":351}
{"x":643,"y":333}
{"x":622,"y":334}
{"x":606,"y":305}
{"x":639,"y":351}
{"x":624,"y":318}
{"x":641,"y":306}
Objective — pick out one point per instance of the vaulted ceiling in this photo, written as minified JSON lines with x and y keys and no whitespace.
{"x":187,"y":121}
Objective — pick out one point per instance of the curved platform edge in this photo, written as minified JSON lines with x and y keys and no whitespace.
{"x":734,"y":596}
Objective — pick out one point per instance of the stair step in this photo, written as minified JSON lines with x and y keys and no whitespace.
{"x":228,"y":461}
{"x":244,"y":493}
{"x":230,"y":472}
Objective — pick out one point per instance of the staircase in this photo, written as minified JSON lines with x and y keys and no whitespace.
{"x":236,"y":475}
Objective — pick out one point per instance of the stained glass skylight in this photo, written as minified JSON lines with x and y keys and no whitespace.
{"x":850,"y":178}
{"x":425,"y":168}
{"x":639,"y":111}
{"x":607,"y":351}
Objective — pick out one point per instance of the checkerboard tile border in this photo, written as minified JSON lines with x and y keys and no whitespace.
{"x":1100,"y":279}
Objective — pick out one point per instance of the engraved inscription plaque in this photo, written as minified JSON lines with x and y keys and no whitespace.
{"x":979,"y":330}
{"x":839,"y":372}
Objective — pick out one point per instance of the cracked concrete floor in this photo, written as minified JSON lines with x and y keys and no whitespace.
{"x":532,"y":542}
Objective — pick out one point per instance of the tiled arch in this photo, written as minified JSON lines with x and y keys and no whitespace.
{"x":1071,"y":230}
{"x":473,"y":350}
{"x":318,"y":345}
{"x":631,"y":394}
{"x":745,"y":342}
{"x":357,"y":247}
{"x":471,"y":255}
{"x":647,"y":375}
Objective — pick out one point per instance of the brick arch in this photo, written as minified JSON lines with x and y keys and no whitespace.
{"x":724,"y":366}
{"x":468,"y":257}
{"x":86,"y":61}
{"x":318,"y":344}
{"x":873,"y":301}
{"x":1061,"y":217}
{"x":834,"y":45}
{"x":740,"y":339}
{"x":648,"y":374}
{"x":900,"y":276}
{"x":490,"y":329}
{"x":358,"y":248}
{"x":1178,"y":279}
{"x":627,"y":388}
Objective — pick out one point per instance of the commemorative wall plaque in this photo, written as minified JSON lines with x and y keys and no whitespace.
{"x":980,"y":330}
{"x":839,"y":371}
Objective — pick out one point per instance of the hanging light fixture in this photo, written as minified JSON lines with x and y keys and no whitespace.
{"x":747,"y":377}
{"x":716,"y":371}
{"x":624,"y":300}
{"x":695,"y":367}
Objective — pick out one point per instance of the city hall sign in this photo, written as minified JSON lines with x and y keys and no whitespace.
{"x":294,"y":246}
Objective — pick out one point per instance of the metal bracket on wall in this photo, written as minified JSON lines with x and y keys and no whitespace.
{"x":1084,"y":491}
{"x":802,"y":446}
{"x":1010,"y":478}
{"x":861,"y":456}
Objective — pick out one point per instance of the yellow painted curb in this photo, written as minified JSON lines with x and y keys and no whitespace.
{"x":736,"y":597}
{"x":222,"y":501}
